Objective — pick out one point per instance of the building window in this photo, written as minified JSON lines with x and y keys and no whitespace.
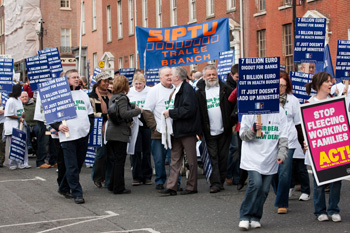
{"x":348,"y":34}
{"x":159,"y":13}
{"x":261,"y":5}
{"x":131,"y":17}
{"x":288,"y":46}
{"x":145,"y":13}
{"x":193,"y":67}
{"x":210,"y":8}
{"x":120,"y":62}
{"x":287,"y":2}
{"x":94,"y":60}
{"x":82,"y":18}
{"x":173,"y":12}
{"x":192,"y":10}
{"x":109,"y":24}
{"x":231,"y":5}
{"x":65,"y":40}
{"x":65,"y":3}
{"x":120,"y":19}
{"x":94,"y":24}
{"x":261,"y":43}
{"x":131,"y":61}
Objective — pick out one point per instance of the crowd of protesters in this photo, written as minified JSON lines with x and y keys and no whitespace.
{"x":167,"y":121}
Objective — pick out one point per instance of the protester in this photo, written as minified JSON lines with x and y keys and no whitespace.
{"x":340,"y":89}
{"x":117,"y":135}
{"x":29,"y":108}
{"x":322,"y":83}
{"x":157,"y":101}
{"x":99,"y":98}
{"x":259,"y":154}
{"x":215,"y":111}
{"x":75,"y":146}
{"x":183,"y":110}
{"x":311,"y":68}
{"x":84,"y":83}
{"x":27,"y":88}
{"x":141,"y":159}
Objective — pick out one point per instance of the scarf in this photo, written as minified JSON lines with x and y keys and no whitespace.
{"x":283,"y":99}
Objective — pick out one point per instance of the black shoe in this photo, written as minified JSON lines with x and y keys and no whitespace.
{"x":179,"y":189}
{"x":168,"y":192}
{"x":240,"y":186}
{"x":214,"y":190}
{"x":79,"y":200}
{"x":65,"y":194}
{"x":1,"y":165}
{"x":98,"y":184}
{"x":125,"y":191}
{"x":185,"y":192}
{"x":159,"y":186}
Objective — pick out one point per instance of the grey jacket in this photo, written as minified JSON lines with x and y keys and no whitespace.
{"x":122,"y":131}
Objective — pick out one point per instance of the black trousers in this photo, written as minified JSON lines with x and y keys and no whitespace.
{"x":117,"y":150}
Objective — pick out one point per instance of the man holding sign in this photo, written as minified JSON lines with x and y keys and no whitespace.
{"x":75,"y":146}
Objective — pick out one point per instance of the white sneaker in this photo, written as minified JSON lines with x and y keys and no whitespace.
{"x":323,"y":217}
{"x":336,"y":218}
{"x":243,"y":225}
{"x":291,"y":191}
{"x":12,"y":168}
{"x":304,"y":197}
{"x":255,"y":224}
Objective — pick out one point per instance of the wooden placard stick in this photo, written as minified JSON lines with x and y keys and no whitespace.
{"x":66,"y":133}
{"x":21,"y":126}
{"x":258,"y":119}
{"x":346,"y":87}
{"x":306,"y":66}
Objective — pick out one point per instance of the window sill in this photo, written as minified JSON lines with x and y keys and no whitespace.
{"x":210,"y":16}
{"x":311,"y":1}
{"x":94,"y":30}
{"x":109,"y":41}
{"x":193,"y":21}
{"x":231,"y":10}
{"x":132,"y":34}
{"x":284,"y":7}
{"x":260,"y":14}
{"x":120,"y":38}
{"x":65,"y":9}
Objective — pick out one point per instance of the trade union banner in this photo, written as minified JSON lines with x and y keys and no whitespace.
{"x":182,"y":45}
{"x":326,"y":130}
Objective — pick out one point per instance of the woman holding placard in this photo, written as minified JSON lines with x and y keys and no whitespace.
{"x":322,"y":84}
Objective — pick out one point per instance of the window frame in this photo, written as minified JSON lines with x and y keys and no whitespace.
{"x":210,"y":8}
{"x":66,"y":4}
{"x":261,"y":43}
{"x":109,"y":23}
{"x":94,"y":15}
{"x":159,"y":21}
{"x":230,"y":5}
{"x":261,"y":5}
{"x":288,"y":46}
{"x":131,"y":17}
{"x":192,"y":11}
{"x":120,"y":62}
{"x":120,"y":19}
{"x":65,"y":35}
{"x":131,"y":61}
{"x":173,"y":13}
{"x":145,"y":13}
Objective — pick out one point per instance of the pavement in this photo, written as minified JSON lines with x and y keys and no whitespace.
{"x":30,"y":203}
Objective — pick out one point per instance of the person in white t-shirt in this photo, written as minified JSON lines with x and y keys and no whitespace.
{"x":75,"y":146}
{"x":259,"y":155}
{"x":156,"y":102}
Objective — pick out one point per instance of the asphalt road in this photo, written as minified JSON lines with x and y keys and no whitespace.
{"x":29,"y":202}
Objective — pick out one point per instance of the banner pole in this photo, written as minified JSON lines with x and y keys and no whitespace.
{"x":258,"y":132}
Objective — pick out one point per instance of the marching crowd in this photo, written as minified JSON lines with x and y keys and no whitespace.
{"x":167,"y":120}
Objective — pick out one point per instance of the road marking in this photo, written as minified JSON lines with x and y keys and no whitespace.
{"x":126,"y":231}
{"x":88,"y":219}
{"x":23,"y":180}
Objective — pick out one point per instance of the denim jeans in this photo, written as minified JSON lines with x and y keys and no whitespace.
{"x":233,"y":160}
{"x":255,"y":196}
{"x":74,"y":153}
{"x":159,"y":154}
{"x":320,"y":198}
{"x":300,"y":172}
{"x":281,"y":181}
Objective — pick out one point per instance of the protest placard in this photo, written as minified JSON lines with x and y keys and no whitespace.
{"x":226,"y":60}
{"x":128,"y":73}
{"x":90,"y":157}
{"x":152,"y":77}
{"x":38,"y":71}
{"x":18,"y":145}
{"x":182,"y":45}
{"x":326,"y":130}
{"x":310,"y":34}
{"x":95,"y":137}
{"x":56,"y":99}
{"x":54,"y":59}
{"x":299,"y":80}
{"x":258,"y":85}
{"x":343,"y":60}
{"x":6,"y":74}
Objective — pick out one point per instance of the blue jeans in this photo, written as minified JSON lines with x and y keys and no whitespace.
{"x":74,"y":153}
{"x":320,"y":198}
{"x":281,"y":181}
{"x":159,"y":154}
{"x":233,"y":160}
{"x":255,"y":196}
{"x":300,"y":172}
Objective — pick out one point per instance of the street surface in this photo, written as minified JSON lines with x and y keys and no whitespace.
{"x":30,"y":203}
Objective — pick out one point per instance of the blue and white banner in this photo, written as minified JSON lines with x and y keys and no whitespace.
{"x":95,"y":137}
{"x":38,"y":71}
{"x":18,"y":145}
{"x":182,"y":45}
{"x":56,"y":99}
{"x":6,"y":74}
{"x":343,"y":60}
{"x":327,"y":65}
{"x":128,"y":73}
{"x":282,"y":68}
{"x":226,"y":60}
{"x":299,"y":79}
{"x":310,"y":34}
{"x":258,"y":85}
{"x":90,"y":157}
{"x":4,"y":98}
{"x":152,"y":77}
{"x":205,"y":158}
{"x":54,"y":59}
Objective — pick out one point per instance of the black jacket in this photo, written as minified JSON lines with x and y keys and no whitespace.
{"x":225,"y":106}
{"x":185,"y":115}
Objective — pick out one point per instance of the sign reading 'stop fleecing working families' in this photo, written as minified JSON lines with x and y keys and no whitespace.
{"x":326,"y":129}
{"x":309,"y":39}
{"x":56,"y":99}
{"x":53,"y":57}
{"x":225,"y":63}
{"x":299,"y":80}
{"x":152,"y":77}
{"x":18,"y":145}
{"x":343,"y":60}
{"x":38,"y":71}
{"x":6,"y":74}
{"x":258,"y":85}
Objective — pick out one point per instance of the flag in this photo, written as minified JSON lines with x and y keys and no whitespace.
{"x":326,"y":65}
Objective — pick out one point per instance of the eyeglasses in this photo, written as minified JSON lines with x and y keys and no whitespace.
{"x":281,"y":85}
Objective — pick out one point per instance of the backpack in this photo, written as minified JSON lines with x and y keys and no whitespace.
{"x":113,"y":112}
